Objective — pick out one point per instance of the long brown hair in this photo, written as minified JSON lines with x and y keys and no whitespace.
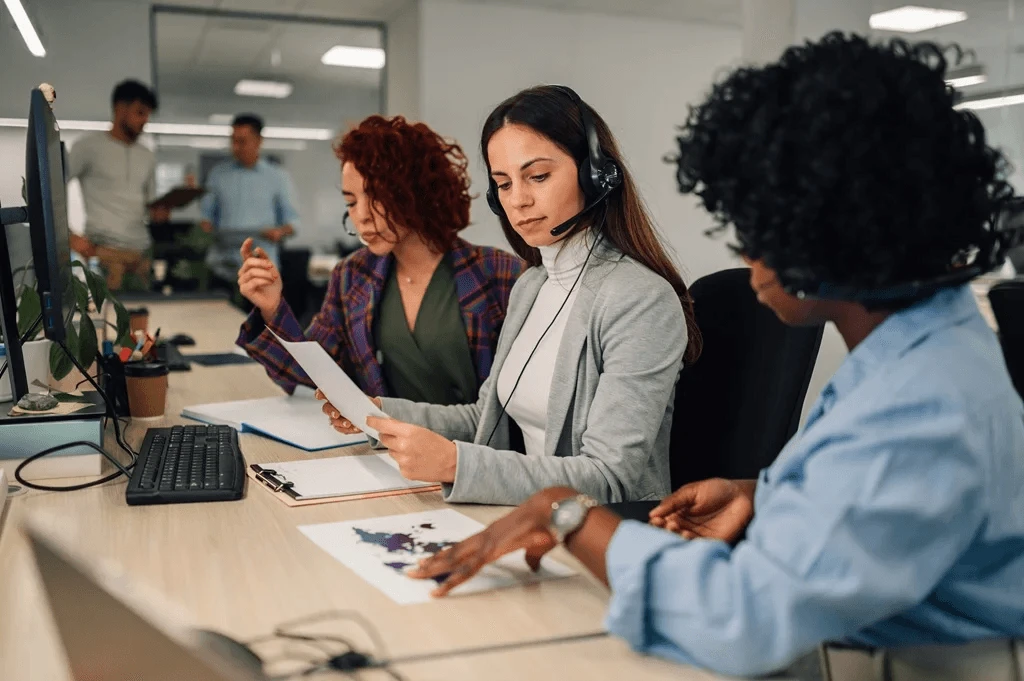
{"x":628,"y":226}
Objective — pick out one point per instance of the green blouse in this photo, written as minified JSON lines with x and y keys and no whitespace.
{"x":433,"y":363}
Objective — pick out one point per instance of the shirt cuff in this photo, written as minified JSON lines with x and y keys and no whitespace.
{"x":251,"y":329}
{"x":633,"y":547}
{"x":466,"y":464}
{"x":283,"y":323}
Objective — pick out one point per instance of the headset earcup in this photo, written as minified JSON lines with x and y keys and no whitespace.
{"x":492,"y":199}
{"x":590,"y":189}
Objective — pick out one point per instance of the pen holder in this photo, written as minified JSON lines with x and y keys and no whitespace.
{"x":114,"y":384}
{"x":147,"y":388}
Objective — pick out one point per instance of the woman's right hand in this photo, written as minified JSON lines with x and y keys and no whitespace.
{"x":259,"y":281}
{"x":338,"y":421}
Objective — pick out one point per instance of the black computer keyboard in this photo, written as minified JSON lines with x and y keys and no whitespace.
{"x":187,"y":463}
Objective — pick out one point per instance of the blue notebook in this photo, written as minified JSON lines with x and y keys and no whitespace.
{"x":296,"y":420}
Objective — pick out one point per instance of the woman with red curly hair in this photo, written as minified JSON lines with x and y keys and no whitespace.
{"x":415,"y":313}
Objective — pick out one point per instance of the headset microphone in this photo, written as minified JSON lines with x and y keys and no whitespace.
{"x":575,"y":219}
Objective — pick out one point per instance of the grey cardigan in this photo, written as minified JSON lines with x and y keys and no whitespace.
{"x":610,"y":406}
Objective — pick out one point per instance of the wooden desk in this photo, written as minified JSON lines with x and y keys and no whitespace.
{"x":243,"y":567}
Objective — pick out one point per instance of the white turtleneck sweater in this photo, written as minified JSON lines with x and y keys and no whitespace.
{"x":529,"y":406}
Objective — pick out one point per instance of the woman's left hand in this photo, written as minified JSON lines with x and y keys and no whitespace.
{"x":421,"y":454}
{"x":524,"y":528}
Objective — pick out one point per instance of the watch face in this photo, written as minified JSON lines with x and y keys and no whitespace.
{"x":568,"y":515}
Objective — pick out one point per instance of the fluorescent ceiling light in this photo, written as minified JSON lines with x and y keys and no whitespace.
{"x":993,"y":100}
{"x":28,"y":31}
{"x":357,"y":57}
{"x":223,"y":143}
{"x":263,"y":88}
{"x":64,"y":125}
{"x":965,"y":77}
{"x":913,"y":19}
{"x":222,"y":119}
{"x":196,"y":129}
{"x":967,"y":81}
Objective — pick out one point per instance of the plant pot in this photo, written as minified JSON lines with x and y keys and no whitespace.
{"x":37,"y":364}
{"x":5,"y":381}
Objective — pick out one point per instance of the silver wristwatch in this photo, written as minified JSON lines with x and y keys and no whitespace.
{"x":568,"y":515}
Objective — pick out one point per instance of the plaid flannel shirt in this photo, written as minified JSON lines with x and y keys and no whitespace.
{"x":344,"y":325}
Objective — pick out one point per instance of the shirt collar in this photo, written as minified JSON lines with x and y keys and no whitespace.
{"x":257,"y":166}
{"x":898,"y":333}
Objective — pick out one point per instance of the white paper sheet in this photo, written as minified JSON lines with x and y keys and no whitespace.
{"x":380,"y":550}
{"x":342,"y":392}
{"x":297,"y":420}
{"x":344,"y":475}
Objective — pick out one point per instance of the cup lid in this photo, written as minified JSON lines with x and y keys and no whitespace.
{"x":145,"y":369}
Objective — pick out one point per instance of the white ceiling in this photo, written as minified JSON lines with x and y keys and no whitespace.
{"x":199,"y":58}
{"x":713,"y":11}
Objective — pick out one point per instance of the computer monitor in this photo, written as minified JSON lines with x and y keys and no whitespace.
{"x":48,"y":216}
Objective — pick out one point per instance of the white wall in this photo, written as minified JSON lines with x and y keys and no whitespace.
{"x":640,"y":74}
{"x":403,"y":69}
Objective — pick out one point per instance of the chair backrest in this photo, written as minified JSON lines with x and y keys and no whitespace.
{"x":295,"y":279}
{"x":739,"y":404}
{"x":1007,"y":299}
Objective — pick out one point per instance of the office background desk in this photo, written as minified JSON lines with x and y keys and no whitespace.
{"x":243,"y":567}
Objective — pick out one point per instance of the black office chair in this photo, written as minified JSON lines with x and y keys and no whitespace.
{"x":1007,"y":299}
{"x":739,"y":404}
{"x":295,"y":283}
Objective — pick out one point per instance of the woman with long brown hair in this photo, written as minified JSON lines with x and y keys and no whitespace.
{"x":597,"y":329}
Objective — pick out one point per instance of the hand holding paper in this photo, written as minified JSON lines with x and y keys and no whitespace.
{"x":334,"y":383}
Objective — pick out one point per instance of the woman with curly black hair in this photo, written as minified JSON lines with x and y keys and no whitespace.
{"x":862,"y":197}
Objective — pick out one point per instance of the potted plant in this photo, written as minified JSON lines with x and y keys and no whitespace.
{"x":81,"y":338}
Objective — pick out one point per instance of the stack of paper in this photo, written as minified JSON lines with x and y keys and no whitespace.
{"x":297,"y":420}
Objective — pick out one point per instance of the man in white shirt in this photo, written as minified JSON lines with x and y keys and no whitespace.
{"x":117,"y":175}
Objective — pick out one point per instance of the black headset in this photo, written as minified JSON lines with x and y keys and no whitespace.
{"x":599,"y":175}
{"x":805,"y":287}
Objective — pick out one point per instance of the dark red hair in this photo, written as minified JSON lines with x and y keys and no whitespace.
{"x":417,"y":177}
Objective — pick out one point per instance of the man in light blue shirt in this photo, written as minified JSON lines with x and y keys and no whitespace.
{"x":246,"y":197}
{"x":895,"y":517}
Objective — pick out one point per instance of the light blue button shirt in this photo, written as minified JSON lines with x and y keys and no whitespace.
{"x":242,"y":202}
{"x":895,"y":517}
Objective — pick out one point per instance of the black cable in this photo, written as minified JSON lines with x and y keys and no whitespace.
{"x":482,"y":650}
{"x":501,"y":413}
{"x":121,"y":470}
{"x":87,"y":378}
{"x":353,"y":660}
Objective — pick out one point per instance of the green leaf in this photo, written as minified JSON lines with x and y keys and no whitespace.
{"x":60,"y":364}
{"x":87,"y":343}
{"x":97,"y":285}
{"x":29,"y":309}
{"x":81,"y":295}
{"x":124,"y":327}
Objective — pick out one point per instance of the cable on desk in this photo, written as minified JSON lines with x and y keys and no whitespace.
{"x":353,"y":660}
{"x":121,"y":469}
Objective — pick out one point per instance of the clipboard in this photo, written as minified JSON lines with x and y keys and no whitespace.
{"x":284,"y":490}
{"x":179,"y":197}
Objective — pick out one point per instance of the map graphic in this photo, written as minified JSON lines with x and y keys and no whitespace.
{"x":381,"y":551}
{"x":409,"y":548}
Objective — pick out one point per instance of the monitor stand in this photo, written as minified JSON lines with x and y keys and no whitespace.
{"x":9,"y":305}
